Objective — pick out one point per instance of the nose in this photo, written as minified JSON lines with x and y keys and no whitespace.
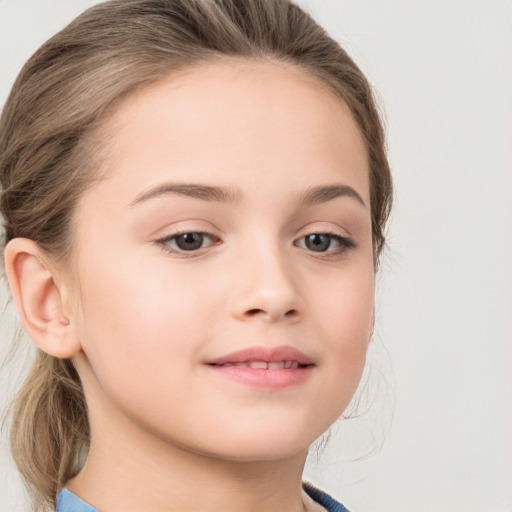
{"x":266,"y":290}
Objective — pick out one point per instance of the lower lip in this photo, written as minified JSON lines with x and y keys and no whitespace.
{"x":266,"y":379}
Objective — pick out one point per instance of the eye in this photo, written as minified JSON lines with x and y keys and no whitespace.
{"x":329,"y":243}
{"x":188,"y":241}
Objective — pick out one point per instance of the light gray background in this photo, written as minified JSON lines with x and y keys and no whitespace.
{"x":444,"y":71}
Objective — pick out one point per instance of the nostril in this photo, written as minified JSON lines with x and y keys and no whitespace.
{"x":253,"y":312}
{"x":292,"y":313}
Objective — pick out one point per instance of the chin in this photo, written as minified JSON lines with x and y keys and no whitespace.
{"x":258,"y":454}
{"x":262,"y":446}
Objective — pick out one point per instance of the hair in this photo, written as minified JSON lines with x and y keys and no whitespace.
{"x":49,"y":153}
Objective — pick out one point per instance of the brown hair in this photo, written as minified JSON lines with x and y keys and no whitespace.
{"x":52,"y":118}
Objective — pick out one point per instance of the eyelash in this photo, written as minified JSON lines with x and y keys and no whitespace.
{"x":345,"y":243}
{"x":164,"y":243}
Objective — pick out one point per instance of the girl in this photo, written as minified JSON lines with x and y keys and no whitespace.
{"x":194,"y":194}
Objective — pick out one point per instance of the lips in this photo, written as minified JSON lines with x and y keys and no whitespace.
{"x":269,"y":358}
{"x":264,"y":365}
{"x":264,"y":368}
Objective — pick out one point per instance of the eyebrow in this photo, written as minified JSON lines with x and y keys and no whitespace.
{"x":313,"y":195}
{"x":197,"y":191}
{"x":324,"y":193}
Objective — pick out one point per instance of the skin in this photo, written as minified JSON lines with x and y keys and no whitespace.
{"x":168,"y":433}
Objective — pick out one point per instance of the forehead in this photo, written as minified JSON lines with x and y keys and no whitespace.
{"x":236,"y":120}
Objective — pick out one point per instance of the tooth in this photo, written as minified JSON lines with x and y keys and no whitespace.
{"x":261,"y":365}
{"x":288,"y":364}
{"x":295,"y":364}
{"x":238,"y":365}
{"x":278,"y":365}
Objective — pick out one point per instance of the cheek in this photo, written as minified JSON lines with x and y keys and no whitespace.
{"x":348,"y":306}
{"x":347,"y":313}
{"x":138,"y":336}
{"x":135,"y":318}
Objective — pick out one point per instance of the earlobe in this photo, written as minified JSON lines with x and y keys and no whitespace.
{"x":39,"y":299}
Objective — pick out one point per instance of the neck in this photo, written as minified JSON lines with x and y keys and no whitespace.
{"x":123,"y":479}
{"x":129,"y":469}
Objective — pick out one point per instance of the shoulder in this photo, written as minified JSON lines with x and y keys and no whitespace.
{"x":69,"y":502}
{"x":322,"y":498}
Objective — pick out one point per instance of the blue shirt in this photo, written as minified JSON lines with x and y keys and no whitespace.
{"x":69,"y":502}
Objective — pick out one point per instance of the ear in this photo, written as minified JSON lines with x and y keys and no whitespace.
{"x":39,"y":298}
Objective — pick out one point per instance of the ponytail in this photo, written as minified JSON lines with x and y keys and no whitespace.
{"x":50,"y":430}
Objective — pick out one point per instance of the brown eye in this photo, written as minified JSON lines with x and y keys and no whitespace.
{"x":189,"y":241}
{"x":329,"y":243}
{"x":318,"y":242}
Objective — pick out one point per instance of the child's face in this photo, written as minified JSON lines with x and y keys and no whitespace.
{"x":156,"y":311}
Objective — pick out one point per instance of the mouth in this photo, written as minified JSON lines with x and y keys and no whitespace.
{"x":265,"y":367}
{"x":284,"y":356}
